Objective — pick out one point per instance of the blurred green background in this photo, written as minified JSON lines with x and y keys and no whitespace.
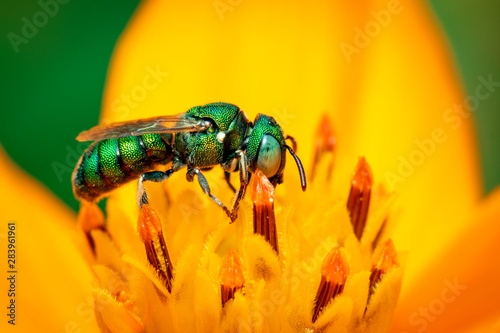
{"x":51,"y":88}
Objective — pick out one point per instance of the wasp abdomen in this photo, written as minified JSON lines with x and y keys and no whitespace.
{"x":110,"y":163}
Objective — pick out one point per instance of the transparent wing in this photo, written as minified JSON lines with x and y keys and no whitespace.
{"x":162,"y":124}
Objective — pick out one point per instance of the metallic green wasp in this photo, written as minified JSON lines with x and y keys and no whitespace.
{"x":199,"y":139}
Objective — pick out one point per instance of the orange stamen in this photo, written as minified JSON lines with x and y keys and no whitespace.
{"x":378,"y":236}
{"x":264,"y":222}
{"x":326,"y":142}
{"x":231,"y":276}
{"x":150,"y":230}
{"x":386,"y":259}
{"x":90,"y":217}
{"x":334,"y":273}
{"x":359,"y":196}
{"x":148,"y":219}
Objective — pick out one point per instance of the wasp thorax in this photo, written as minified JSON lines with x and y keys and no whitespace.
{"x":269,"y":157}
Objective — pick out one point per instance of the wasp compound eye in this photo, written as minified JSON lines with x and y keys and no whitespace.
{"x":269,"y":156}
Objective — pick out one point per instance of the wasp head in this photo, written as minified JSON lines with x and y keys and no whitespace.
{"x":266,"y":150}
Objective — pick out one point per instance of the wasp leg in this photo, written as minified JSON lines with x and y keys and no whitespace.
{"x":227,"y":177}
{"x":153,"y":176}
{"x":205,"y":187}
{"x":244,"y":180}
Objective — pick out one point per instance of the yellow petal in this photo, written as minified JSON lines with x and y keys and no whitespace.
{"x":336,"y":315}
{"x":207,"y":303}
{"x":106,"y":251}
{"x":461,"y":286}
{"x":356,"y":288}
{"x":53,"y":280}
{"x":261,"y":258}
{"x":491,"y":325}
{"x":405,"y":129}
{"x":237,"y":316}
{"x":151,"y":296}
{"x":380,"y":310}
{"x":113,"y":317}
{"x":183,"y":289}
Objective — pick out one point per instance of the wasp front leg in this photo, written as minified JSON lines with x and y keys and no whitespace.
{"x":244,"y":180}
{"x":205,"y":187}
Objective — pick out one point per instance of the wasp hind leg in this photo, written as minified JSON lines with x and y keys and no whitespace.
{"x":205,"y":187}
{"x":153,"y":176}
{"x":227,"y":177}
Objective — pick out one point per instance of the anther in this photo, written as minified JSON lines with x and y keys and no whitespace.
{"x":122,"y":296}
{"x":231,"y":276}
{"x":264,"y":222}
{"x":378,"y":236}
{"x":90,"y":217}
{"x":326,"y":142}
{"x":359,"y":196}
{"x":334,"y":273}
{"x":386,"y":258}
{"x":150,"y":230}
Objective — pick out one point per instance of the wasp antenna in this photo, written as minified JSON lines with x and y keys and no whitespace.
{"x":294,"y":142}
{"x":303,"y":181}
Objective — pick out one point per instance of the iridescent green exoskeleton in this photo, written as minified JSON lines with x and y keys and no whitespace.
{"x":199,"y":139}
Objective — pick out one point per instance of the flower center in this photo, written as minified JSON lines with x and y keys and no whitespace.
{"x":301,"y":262}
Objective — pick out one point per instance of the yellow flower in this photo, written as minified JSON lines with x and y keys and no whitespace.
{"x":380,"y":71}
